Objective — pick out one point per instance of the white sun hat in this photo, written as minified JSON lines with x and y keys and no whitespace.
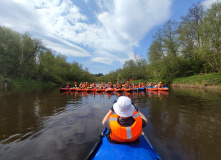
{"x":123,"y":107}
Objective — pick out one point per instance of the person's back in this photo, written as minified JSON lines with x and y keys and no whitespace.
{"x":126,"y":125}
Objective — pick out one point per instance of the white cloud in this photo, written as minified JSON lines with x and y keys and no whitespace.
{"x":120,"y":25}
{"x":102,"y":60}
{"x":208,"y":3}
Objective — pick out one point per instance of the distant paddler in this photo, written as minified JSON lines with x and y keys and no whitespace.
{"x":93,"y":85}
{"x":160,"y":85}
{"x":118,"y":85}
{"x":150,"y":84}
{"x":75,"y":85}
{"x":109,"y":85}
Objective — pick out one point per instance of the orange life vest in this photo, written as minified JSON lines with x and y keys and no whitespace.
{"x":127,"y":85}
{"x":125,"y":134}
{"x":94,"y":85}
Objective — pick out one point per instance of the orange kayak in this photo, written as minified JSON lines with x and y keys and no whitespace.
{"x":91,"y":89}
{"x":74,"y":89}
{"x":119,"y":89}
{"x":81,"y":90}
{"x":163,"y":89}
{"x":128,"y":89}
{"x":109,"y":90}
{"x":100,"y":90}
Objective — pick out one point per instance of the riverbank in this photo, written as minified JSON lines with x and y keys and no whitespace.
{"x":208,"y":81}
{"x":21,"y":82}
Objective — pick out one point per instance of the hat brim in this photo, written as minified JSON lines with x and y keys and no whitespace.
{"x":123,"y":114}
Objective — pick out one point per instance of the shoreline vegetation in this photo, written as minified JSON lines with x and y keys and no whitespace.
{"x":25,"y":83}
{"x":204,"y":81}
{"x":207,"y":81}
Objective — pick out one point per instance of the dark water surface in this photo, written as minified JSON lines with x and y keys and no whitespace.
{"x":44,"y":124}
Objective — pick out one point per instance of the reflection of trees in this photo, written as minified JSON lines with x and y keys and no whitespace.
{"x":188,"y":124}
{"x":22,"y":115}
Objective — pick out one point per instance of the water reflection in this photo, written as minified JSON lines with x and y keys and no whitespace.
{"x":47,"y":124}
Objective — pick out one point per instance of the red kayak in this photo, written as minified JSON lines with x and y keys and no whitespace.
{"x":65,"y":89}
{"x":68,"y":89}
{"x":163,"y":89}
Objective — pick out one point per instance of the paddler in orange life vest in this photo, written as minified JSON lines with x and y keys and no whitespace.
{"x":126,"y":125}
{"x":87,"y":85}
{"x":109,"y":85}
{"x":118,"y":85}
{"x":127,"y":85}
{"x":93,"y":85}
{"x":160,"y":85}
{"x":81,"y":85}
{"x":150,"y":84}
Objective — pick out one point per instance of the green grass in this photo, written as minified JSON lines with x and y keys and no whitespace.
{"x":206,"y":79}
{"x":21,"y":82}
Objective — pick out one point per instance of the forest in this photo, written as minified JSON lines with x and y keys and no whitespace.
{"x":178,"y":49}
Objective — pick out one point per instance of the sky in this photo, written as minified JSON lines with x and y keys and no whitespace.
{"x":99,"y":34}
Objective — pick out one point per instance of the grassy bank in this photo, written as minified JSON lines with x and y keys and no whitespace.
{"x":210,"y":80}
{"x":20,"y":82}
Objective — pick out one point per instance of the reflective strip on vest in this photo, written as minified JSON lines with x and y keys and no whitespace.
{"x":113,"y":119}
{"x":136,"y":115}
{"x":128,"y":129}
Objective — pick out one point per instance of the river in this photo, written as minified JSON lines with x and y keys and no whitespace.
{"x":184,"y":124}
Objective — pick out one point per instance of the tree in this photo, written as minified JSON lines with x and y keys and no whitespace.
{"x":211,"y":37}
{"x":10,"y":52}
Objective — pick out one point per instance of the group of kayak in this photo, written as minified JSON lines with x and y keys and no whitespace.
{"x":111,"y":88}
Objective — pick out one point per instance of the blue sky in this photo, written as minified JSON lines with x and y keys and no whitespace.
{"x":99,"y":34}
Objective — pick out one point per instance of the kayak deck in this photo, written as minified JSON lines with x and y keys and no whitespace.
{"x":139,"y":151}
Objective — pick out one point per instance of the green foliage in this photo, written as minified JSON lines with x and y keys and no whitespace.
{"x":210,"y":32}
{"x":24,"y":57}
{"x":22,"y":82}
{"x":210,"y":78}
{"x":189,"y":48}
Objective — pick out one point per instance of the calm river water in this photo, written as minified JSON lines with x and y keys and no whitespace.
{"x":43,"y":124}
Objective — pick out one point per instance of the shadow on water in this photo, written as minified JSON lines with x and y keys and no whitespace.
{"x":46,"y":124}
